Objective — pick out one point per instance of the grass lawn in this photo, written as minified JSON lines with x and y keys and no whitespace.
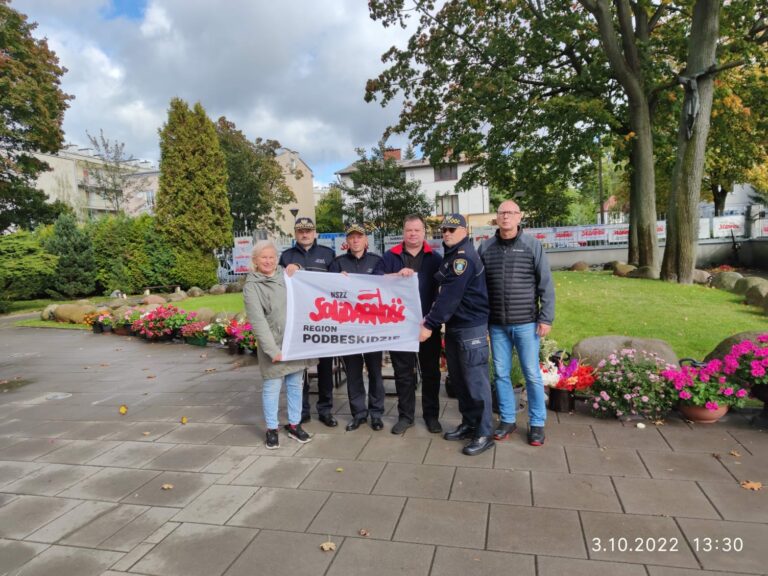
{"x":37,"y":323}
{"x":693,"y":319}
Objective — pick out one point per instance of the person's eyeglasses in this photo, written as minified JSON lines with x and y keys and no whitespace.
{"x":449,"y":230}
{"x":507,"y":213}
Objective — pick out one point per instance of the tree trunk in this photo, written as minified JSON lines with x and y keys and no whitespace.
{"x":633,"y":250}
{"x":719,"y":194}
{"x":643,"y":201}
{"x":682,"y":213}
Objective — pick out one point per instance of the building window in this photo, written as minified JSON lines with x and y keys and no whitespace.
{"x":448,"y":204}
{"x":446,"y":172}
{"x":150,"y":196}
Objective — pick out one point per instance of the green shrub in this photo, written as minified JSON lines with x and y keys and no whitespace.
{"x":76,"y":268}
{"x":194,"y":268}
{"x":26,"y":269}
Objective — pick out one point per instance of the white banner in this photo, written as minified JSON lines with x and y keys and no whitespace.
{"x":722,"y":226}
{"x":337,"y":315}
{"x":241,"y":254}
{"x":703,"y":228}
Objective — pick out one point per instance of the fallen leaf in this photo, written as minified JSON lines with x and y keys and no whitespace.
{"x":749,"y":485}
{"x":339,"y":469}
{"x":145,"y":433}
{"x":144,"y":369}
{"x":735,"y":453}
{"x":203,"y":355}
{"x":327,"y":546}
{"x":210,"y":369}
{"x":104,"y":365}
{"x":184,"y":419}
{"x":151,"y":376}
{"x":659,"y":422}
{"x":364,"y":532}
{"x":123,"y":409}
{"x":167,"y":486}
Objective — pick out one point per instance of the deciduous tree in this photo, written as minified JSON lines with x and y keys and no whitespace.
{"x":329,"y":211}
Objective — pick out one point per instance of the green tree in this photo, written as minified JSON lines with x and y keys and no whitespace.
{"x":26,"y":269}
{"x":192,"y":207}
{"x":32,"y":108}
{"x":76,"y":268}
{"x":256,"y":184}
{"x":329,"y":211}
{"x":380,"y":195}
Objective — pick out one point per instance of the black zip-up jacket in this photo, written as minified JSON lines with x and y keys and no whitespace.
{"x":317,"y":259}
{"x":520,"y":288}
{"x":366,"y":264}
{"x":393,"y":261}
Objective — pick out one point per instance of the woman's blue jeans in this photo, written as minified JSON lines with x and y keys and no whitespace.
{"x":270,"y":396}
{"x":524,"y":338}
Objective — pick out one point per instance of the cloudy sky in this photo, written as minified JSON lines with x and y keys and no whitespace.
{"x":290,"y":70}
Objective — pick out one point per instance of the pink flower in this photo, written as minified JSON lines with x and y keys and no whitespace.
{"x":604,"y":395}
{"x":728,"y":391}
{"x":644,"y":398}
{"x":741,"y":393}
{"x":685,"y":395}
{"x":711,"y":406}
{"x":757,"y":369}
{"x":595,"y":405}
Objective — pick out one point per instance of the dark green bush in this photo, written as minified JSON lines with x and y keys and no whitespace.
{"x":76,"y":268}
{"x":26,"y":269}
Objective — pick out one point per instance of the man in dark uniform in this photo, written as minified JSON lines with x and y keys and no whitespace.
{"x":358,"y":260}
{"x":462,"y":305}
{"x":307,"y":254}
{"x":414,"y":256}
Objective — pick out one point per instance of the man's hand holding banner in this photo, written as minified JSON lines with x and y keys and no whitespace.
{"x":338,"y":315}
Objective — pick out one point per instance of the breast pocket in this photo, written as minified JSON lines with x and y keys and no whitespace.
{"x":476,"y":351}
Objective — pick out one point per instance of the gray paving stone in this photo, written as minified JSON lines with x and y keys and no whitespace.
{"x":444,"y":453}
{"x":65,"y":561}
{"x":277,"y":472}
{"x":144,"y":431}
{"x":51,"y":479}
{"x":348,"y":514}
{"x":492,"y":486}
{"x":6,"y":498}
{"x":570,"y":434}
{"x":253,"y":436}
{"x":141,"y":528}
{"x":104,"y":527}
{"x":216,"y":505}
{"x":111,"y":484}
{"x":162,"y":533}
{"x":551,"y":566}
{"x":648,"y":438}
{"x":186,"y":487}
{"x":131,"y":454}
{"x":127,"y":561}
{"x":12,"y":471}
{"x":377,"y":558}
{"x":606,"y":461}
{"x":574,"y":491}
{"x":667,"y":571}
{"x":463,"y":562}
{"x":623,"y":537}
{"x":344,"y":476}
{"x":752,"y":558}
{"x":700,"y":439}
{"x":684,"y":466}
{"x":531,"y":530}
{"x":747,"y":467}
{"x":28,"y":449}
{"x":518,"y":456}
{"x":280,"y":509}
{"x":196,"y":550}
{"x":735,"y":503}
{"x":395,"y":449}
{"x":95,"y":430}
{"x":233,"y":458}
{"x":285,"y":553}
{"x":188,"y":458}
{"x":448,"y":523}
{"x":756,"y":441}
{"x":416,"y":480}
{"x":78,"y":452}
{"x":14,"y":554}
{"x":195,"y":414}
{"x":250,"y":414}
{"x":28,"y":513}
{"x":338,"y":447}
{"x":663,"y":498}
{"x":70,"y":521}
{"x":195,"y":433}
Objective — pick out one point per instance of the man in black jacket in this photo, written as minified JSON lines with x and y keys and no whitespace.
{"x":358,"y":260}
{"x":522,"y":299}
{"x":307,"y":254}
{"x":414,"y":256}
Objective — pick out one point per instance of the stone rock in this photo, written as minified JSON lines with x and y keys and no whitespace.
{"x":116,"y":294}
{"x":116,"y":303}
{"x":195,"y":292}
{"x":150,"y":307}
{"x":73,"y":313}
{"x":726,"y":280}
{"x":217,"y":289}
{"x":645,"y":272}
{"x":623,"y":269}
{"x":48,"y":312}
{"x":205,"y":315}
{"x":592,"y":350}
{"x":611,"y":265}
{"x":755,"y":295}
{"x":725,"y":346}
{"x":744,"y":284}
{"x":580,"y":266}
{"x":234,"y":287}
{"x":177,"y":296}
{"x":701,"y":277}
{"x":153,"y":299}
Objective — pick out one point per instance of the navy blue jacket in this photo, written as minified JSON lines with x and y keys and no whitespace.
{"x":366,"y":264}
{"x":317,"y":259}
{"x":393,"y":262}
{"x":462,"y":299}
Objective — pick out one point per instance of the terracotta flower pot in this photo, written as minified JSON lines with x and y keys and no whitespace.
{"x":701,"y":414}
{"x":121,"y":330}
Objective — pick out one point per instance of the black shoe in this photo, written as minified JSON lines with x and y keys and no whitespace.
{"x":305,"y":418}
{"x":328,"y":420}
{"x":376,"y":423}
{"x":536,"y":435}
{"x":273,"y":442}
{"x":355,"y":423}
{"x":433,"y":425}
{"x":478,"y":446}
{"x":503,"y":431}
{"x":401,"y":426}
{"x":462,"y":432}
{"x":297,"y":433}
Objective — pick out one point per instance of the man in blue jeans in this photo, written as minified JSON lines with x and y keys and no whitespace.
{"x":522,"y":301}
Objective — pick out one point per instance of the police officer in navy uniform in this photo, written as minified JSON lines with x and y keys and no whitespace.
{"x":307,"y":254}
{"x":358,"y":260}
{"x":462,"y":305}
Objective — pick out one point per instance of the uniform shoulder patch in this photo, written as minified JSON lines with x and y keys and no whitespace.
{"x":459,"y":266}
